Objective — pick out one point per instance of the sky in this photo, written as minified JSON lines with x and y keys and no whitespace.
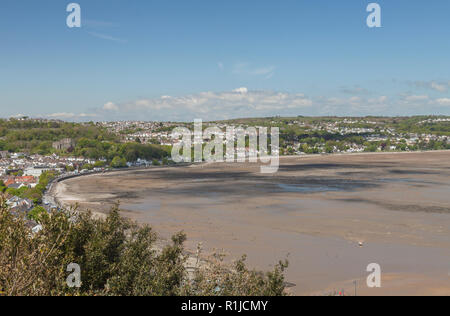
{"x":179,"y":60}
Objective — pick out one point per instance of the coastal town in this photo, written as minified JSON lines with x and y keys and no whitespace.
{"x":36,"y":154}
{"x":211,"y":150}
{"x":22,"y":172}
{"x":353,"y":134}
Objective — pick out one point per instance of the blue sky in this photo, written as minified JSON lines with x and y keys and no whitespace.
{"x":211,"y":59}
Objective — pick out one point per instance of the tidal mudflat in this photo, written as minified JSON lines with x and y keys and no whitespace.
{"x":316,"y":210}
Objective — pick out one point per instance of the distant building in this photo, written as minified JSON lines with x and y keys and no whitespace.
{"x":17,"y":155}
{"x":64,"y":144}
{"x":18,"y":182}
{"x":4,"y":154}
{"x":26,"y":180}
{"x":35,"y":171}
{"x":9,"y":182}
{"x":16,"y":186}
{"x":19,"y":206}
{"x":11,"y":171}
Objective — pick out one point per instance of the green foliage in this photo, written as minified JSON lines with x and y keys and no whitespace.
{"x":116,"y":257}
{"x":99,"y":164}
{"x":131,"y":152}
{"x":2,"y":186}
{"x":411,"y":125}
{"x":318,"y":139}
{"x":371,"y":147}
{"x":92,"y":141}
{"x":37,"y":213}
{"x":87,"y":167}
{"x":156,"y":162}
{"x":217,"y":279}
{"x":36,"y":137}
{"x":70,"y":168}
{"x":18,"y":173}
{"x":118,"y":162}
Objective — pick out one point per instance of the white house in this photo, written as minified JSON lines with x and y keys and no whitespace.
{"x":35,"y":172}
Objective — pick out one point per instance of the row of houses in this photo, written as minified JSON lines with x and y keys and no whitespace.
{"x":21,"y":207}
{"x":17,"y":182}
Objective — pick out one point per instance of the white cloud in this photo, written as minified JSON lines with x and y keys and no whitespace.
{"x":244,"y":102}
{"x":382,"y":99}
{"x":439,"y":86}
{"x":110,"y":106}
{"x":242,"y":90}
{"x":416,"y":98}
{"x":443,"y":101}
{"x":215,"y":105}
{"x":69,"y":116}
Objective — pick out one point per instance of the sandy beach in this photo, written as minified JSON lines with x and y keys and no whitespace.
{"x":315,"y":211}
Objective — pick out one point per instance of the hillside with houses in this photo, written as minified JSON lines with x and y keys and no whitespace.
{"x":34,"y":152}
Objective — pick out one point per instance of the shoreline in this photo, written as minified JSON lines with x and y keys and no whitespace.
{"x":51,"y":194}
{"x":397,"y":205}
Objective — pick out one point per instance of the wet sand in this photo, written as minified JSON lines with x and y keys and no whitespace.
{"x":315,"y":210}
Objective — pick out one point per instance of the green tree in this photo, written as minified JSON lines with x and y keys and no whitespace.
{"x":2,"y":186}
{"x":87,"y":167}
{"x":70,"y":168}
{"x":156,"y":162}
{"x":117,"y":257}
{"x":36,"y":213}
{"x":99,"y":164}
{"x":118,"y":162}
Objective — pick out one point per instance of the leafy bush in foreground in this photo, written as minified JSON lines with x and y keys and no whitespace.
{"x":117,"y":257}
